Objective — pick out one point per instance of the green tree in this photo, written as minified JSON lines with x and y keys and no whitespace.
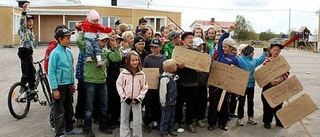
{"x":244,"y":29}
{"x":267,"y":35}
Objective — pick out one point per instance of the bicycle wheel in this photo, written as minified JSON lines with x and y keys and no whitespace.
{"x":18,"y":105}
{"x":46,"y":89}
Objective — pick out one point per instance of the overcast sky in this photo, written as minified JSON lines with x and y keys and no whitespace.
{"x":262,"y":14}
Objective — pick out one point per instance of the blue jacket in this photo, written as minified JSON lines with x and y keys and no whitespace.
{"x":250,"y":64}
{"x":226,"y":58}
{"x":60,"y":67}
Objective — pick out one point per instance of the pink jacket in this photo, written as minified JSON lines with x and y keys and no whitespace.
{"x":130,"y":86}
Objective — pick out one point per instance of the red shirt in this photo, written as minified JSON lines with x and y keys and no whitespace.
{"x":87,"y":26}
{"x":52,"y":45}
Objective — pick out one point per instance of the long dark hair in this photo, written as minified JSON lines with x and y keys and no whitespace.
{"x":127,"y":66}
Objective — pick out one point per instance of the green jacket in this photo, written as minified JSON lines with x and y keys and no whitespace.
{"x":92,"y":73}
{"x":168,"y":49}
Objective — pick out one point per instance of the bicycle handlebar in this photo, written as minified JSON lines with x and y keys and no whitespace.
{"x":38,"y":62}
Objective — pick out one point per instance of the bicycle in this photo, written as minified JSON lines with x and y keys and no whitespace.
{"x":18,"y":103}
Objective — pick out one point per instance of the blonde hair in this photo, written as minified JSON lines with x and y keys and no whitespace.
{"x":172,"y":26}
{"x":207,"y":32}
{"x":196,"y":27}
{"x":126,"y":35}
{"x":123,"y":27}
{"x":169,"y":65}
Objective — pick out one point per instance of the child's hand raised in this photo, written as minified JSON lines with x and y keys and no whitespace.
{"x":25,"y":7}
{"x":231,"y":28}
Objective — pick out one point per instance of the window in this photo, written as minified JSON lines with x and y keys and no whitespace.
{"x":156,"y":22}
{"x":16,"y":23}
{"x":72,"y":26}
{"x":109,"y":21}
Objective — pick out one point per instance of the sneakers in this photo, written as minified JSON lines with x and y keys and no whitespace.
{"x":173,"y":133}
{"x":252,"y":121}
{"x":147,"y":129}
{"x":31,"y":94}
{"x":88,"y":133}
{"x":233,"y":115}
{"x":267,"y":126}
{"x":240,"y":122}
{"x":88,"y":59}
{"x":223,"y":127}
{"x":79,"y":122}
{"x":210,"y":128}
{"x":166,"y":135}
{"x":100,"y":63}
{"x":74,"y":131}
{"x":105,"y":131}
{"x":191,"y":129}
{"x":176,"y":126}
{"x":201,"y":124}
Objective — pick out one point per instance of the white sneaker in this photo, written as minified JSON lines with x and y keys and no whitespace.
{"x":240,"y":122}
{"x":252,"y":121}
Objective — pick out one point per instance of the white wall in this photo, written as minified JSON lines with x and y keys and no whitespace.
{"x":69,"y":2}
{"x":9,"y":2}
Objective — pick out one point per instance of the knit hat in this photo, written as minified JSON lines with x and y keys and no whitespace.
{"x":118,"y":22}
{"x":138,"y":39}
{"x":185,"y":34}
{"x":93,"y":15}
{"x":247,"y":50}
{"x":130,"y":26}
{"x":241,"y":47}
{"x":173,"y":34}
{"x":197,"y":41}
{"x":229,"y":41}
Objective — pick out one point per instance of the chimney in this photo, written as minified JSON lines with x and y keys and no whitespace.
{"x":212,"y":20}
{"x":114,"y":2}
{"x":21,"y":2}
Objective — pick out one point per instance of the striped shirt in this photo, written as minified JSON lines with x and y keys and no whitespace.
{"x":283,"y":76}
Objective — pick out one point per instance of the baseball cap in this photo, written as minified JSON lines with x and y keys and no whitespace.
{"x":118,"y":22}
{"x":185,"y":34}
{"x":229,"y":41}
{"x":29,"y":17}
{"x":197,"y":41}
{"x":173,"y":34}
{"x":138,"y":39}
{"x":141,"y":20}
{"x":63,"y":32}
{"x":279,"y":45}
{"x":155,"y":43}
{"x":102,"y":36}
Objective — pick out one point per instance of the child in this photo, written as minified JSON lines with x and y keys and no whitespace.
{"x":174,"y":37}
{"x":91,"y":27}
{"x":151,"y":101}
{"x":25,"y":51}
{"x":168,"y":97}
{"x":138,"y":46}
{"x":269,"y":112}
{"x":247,"y":62}
{"x":61,"y":80}
{"x":132,"y":87}
{"x":210,"y":39}
{"x":198,"y":32}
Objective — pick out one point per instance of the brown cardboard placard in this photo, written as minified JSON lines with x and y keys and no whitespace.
{"x":152,"y":77}
{"x":192,"y":59}
{"x":229,"y":78}
{"x":296,"y":110}
{"x":276,"y":67}
{"x":282,"y":92}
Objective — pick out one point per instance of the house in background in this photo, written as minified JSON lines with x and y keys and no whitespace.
{"x":47,"y":15}
{"x":206,"y":24}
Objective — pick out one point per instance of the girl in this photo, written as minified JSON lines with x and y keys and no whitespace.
{"x":210,"y":39}
{"x":132,"y":87}
{"x":198,"y":32}
{"x":269,"y":112}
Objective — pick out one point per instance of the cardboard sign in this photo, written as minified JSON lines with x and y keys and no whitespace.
{"x":276,"y":67}
{"x":152,"y":76}
{"x":192,"y":59}
{"x":296,"y":110}
{"x":280,"y":93}
{"x":229,"y":78}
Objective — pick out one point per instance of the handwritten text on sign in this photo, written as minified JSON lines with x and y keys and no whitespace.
{"x":296,"y":110}
{"x":229,"y":78}
{"x":192,"y":59}
{"x":278,"y":94}
{"x":271,"y":70}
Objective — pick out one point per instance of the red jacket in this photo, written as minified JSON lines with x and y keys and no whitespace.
{"x":87,"y":26}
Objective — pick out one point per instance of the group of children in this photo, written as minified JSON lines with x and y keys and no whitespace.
{"x":102,"y":86}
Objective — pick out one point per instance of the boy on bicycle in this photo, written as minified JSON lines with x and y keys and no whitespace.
{"x":61,"y":77}
{"x":27,"y":41}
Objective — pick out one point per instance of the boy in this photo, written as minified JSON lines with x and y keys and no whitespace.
{"x":62,"y":84}
{"x":174,"y":37}
{"x":151,"y":100}
{"x":25,"y":51}
{"x":168,"y":97}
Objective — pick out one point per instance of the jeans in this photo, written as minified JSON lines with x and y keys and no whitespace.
{"x":124,"y":120}
{"x":95,"y":92}
{"x":242,"y":99}
{"x":63,"y":111}
{"x":167,"y":119}
{"x":92,"y":48}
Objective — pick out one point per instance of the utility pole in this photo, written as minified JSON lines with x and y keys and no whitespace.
{"x":149,"y":4}
{"x":289,"y":21}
